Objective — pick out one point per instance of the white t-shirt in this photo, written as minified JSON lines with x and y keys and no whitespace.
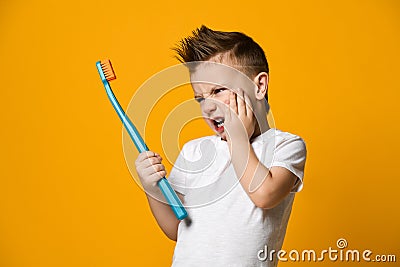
{"x":226,"y":228}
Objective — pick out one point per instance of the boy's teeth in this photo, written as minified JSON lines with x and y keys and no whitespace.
{"x":220,"y":122}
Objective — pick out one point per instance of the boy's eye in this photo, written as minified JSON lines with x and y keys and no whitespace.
{"x":199,"y":98}
{"x":219,"y":90}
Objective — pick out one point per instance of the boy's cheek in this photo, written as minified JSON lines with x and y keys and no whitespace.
{"x":207,"y":121}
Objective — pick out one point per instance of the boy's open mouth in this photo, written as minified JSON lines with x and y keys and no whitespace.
{"x":218,"y":124}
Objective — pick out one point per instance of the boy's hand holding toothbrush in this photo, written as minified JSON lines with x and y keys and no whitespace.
{"x":150,"y":170}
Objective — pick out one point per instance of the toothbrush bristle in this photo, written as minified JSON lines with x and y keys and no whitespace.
{"x":108,"y":70}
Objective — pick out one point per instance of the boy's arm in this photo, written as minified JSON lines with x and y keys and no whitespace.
{"x":164,"y":216}
{"x":150,"y":170}
{"x":265,"y":187}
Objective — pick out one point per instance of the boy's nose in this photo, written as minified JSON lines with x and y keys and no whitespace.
{"x":209,"y":106}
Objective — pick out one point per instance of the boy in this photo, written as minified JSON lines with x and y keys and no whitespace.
{"x":238,"y":185}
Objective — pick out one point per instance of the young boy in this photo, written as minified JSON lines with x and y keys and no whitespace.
{"x":238,"y":186}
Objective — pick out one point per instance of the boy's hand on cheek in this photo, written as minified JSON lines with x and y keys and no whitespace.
{"x":239,"y":120}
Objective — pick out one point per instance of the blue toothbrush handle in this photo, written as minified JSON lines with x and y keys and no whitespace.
{"x":172,"y":198}
{"x":169,"y":194}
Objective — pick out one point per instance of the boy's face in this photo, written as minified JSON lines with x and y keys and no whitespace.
{"x":211,"y":97}
{"x":212,"y":84}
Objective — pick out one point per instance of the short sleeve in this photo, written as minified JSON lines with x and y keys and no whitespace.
{"x":177,"y":177}
{"x":291,"y":154}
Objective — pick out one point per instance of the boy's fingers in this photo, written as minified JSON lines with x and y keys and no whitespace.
{"x":226,"y":110}
{"x":153,"y":178}
{"x":153,"y":160}
{"x":240,"y":102}
{"x":249,"y":112}
{"x":146,"y":154}
{"x":147,"y":160}
{"x":158,"y":167}
{"x":141,"y":157}
{"x":152,"y":169}
{"x":162,"y":173}
{"x":232,"y":102}
{"x":157,"y":176}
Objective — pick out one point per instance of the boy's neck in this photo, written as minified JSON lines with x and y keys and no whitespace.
{"x":259,"y":129}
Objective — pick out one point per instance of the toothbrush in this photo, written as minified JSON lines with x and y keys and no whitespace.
{"x":107,"y":74}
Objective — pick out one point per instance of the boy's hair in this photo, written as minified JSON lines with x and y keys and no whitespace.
{"x":243,"y":53}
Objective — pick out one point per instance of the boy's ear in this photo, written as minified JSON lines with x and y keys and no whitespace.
{"x":261,"y":80}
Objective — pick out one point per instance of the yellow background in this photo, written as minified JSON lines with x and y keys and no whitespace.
{"x":66,"y":195}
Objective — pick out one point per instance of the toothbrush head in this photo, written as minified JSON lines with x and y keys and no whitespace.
{"x":107,"y":70}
